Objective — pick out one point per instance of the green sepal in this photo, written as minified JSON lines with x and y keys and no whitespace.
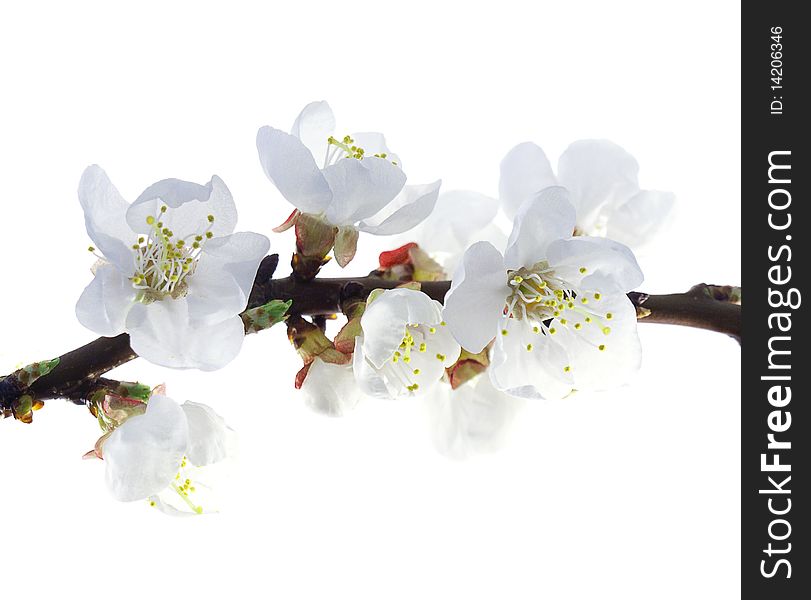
{"x":373,"y":295}
{"x":265,"y":316}
{"x":30,"y":373}
{"x":113,"y":405}
{"x":346,"y":245}
{"x":133,"y":389}
{"x":345,"y":340}
{"x":467,"y":367}
{"x":309,"y":341}
{"x":314,"y":239}
{"x":409,"y":285}
{"x":425,"y":267}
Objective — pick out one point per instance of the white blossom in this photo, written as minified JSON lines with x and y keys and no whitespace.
{"x":330,"y":389}
{"x":163,"y":455}
{"x":475,"y":418}
{"x":602,"y":180}
{"x":352,"y":182}
{"x":555,"y":304}
{"x":459,"y":218}
{"x":405,"y":346}
{"x":171,"y":272}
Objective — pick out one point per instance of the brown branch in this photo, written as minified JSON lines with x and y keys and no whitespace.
{"x":79,"y":369}
{"x":706,"y":307}
{"x":711,"y":307}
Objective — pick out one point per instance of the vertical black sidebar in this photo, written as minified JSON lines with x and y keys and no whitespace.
{"x":776,"y":435}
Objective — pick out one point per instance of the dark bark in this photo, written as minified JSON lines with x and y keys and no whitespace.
{"x":703,"y":306}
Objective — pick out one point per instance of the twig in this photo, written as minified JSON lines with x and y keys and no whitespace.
{"x":715,"y":308}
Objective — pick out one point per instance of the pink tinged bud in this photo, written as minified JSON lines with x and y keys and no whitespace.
{"x":396,"y":257}
{"x":310,"y":342}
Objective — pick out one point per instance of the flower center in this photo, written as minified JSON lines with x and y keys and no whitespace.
{"x":163,"y":262}
{"x":345,"y":148}
{"x":417,"y":359}
{"x":536,"y":294}
{"x":546,"y":302}
{"x":184,"y":487}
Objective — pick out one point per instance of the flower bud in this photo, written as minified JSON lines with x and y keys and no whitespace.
{"x":409,"y":263}
{"x":311,"y":342}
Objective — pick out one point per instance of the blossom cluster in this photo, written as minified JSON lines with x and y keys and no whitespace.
{"x":537,"y":309}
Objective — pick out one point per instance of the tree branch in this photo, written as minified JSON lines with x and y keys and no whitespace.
{"x":711,"y":307}
{"x":715,"y":308}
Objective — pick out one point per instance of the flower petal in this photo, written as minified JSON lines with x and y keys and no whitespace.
{"x":409,"y":208}
{"x":290,"y":166}
{"x":163,"y":504}
{"x":208,"y":434}
{"x":221,"y":283}
{"x":314,"y":125}
{"x":491,"y":233}
{"x":636,"y":222}
{"x":143,"y":455}
{"x":421,"y":367}
{"x":330,"y":389}
{"x":384,"y":321}
{"x":373,"y":143}
{"x":525,"y":171}
{"x":578,"y":258}
{"x":189,"y":206}
{"x":442,"y":343}
{"x":526,"y":364}
{"x":162,"y":333}
{"x":477,"y":296}
{"x":361,"y":188}
{"x":547,"y":217}
{"x":105,"y":218}
{"x":457,"y":218}
{"x":105,"y":302}
{"x":367,"y":377}
{"x":472,"y":419}
{"x":621,"y":354}
{"x":598,"y":174}
{"x":414,"y":370}
{"x":209,"y":489}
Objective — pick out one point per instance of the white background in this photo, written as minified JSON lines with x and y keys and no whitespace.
{"x":632,"y":494}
